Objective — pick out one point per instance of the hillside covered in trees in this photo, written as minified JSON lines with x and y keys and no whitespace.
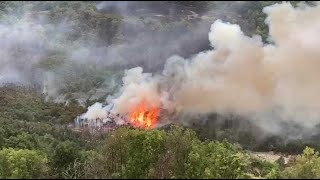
{"x":59,"y":58}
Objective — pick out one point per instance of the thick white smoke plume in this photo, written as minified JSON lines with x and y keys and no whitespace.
{"x":241,"y":75}
{"x":96,"y":111}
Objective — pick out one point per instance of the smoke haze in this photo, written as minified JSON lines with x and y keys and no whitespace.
{"x":172,"y":63}
{"x":44,"y":50}
{"x":269,"y":83}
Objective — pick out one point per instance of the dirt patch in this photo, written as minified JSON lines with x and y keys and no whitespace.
{"x":272,"y":157}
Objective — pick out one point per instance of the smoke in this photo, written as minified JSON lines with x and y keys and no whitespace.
{"x":96,"y":111}
{"x":22,"y":45}
{"x":121,"y":7}
{"x":139,"y":86}
{"x":26,"y":46}
{"x":271,"y":83}
{"x":63,"y":59}
{"x":151,"y":35}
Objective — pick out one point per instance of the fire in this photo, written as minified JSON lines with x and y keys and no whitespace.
{"x":143,"y":117}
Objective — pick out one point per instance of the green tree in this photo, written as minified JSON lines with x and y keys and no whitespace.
{"x":172,"y":162}
{"x":178,"y":153}
{"x":306,"y":166}
{"x":216,"y":160}
{"x":127,"y":153}
{"x":64,"y":154}
{"x":263,"y":169}
{"x":22,"y":163}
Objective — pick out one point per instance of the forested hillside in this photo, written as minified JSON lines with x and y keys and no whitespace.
{"x":59,"y":58}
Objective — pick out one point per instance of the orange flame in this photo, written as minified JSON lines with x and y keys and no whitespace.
{"x":143,"y":117}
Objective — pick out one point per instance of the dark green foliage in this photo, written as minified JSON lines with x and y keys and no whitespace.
{"x":262,"y":168}
{"x":256,"y":18}
{"x":87,"y":80}
{"x":26,"y":104}
{"x":306,"y":166}
{"x":128,"y":153}
{"x":23,"y":164}
{"x":177,"y":153}
{"x":85,"y":20}
{"x":30,"y":123}
{"x":64,"y":154}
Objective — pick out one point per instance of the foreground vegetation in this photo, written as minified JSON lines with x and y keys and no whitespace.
{"x":36,"y":143}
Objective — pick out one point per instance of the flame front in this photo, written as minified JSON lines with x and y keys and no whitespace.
{"x":143,"y":117}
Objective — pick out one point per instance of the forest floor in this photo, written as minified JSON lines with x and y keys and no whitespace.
{"x":271,"y":156}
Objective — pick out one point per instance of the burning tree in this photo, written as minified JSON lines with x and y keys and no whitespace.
{"x":143,"y":116}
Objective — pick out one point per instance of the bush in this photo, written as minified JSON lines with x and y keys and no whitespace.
{"x":178,"y":153}
{"x":306,"y":166}
{"x":22,"y":163}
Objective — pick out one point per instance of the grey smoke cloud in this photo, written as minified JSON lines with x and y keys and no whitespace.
{"x":37,"y":51}
{"x":241,"y":75}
